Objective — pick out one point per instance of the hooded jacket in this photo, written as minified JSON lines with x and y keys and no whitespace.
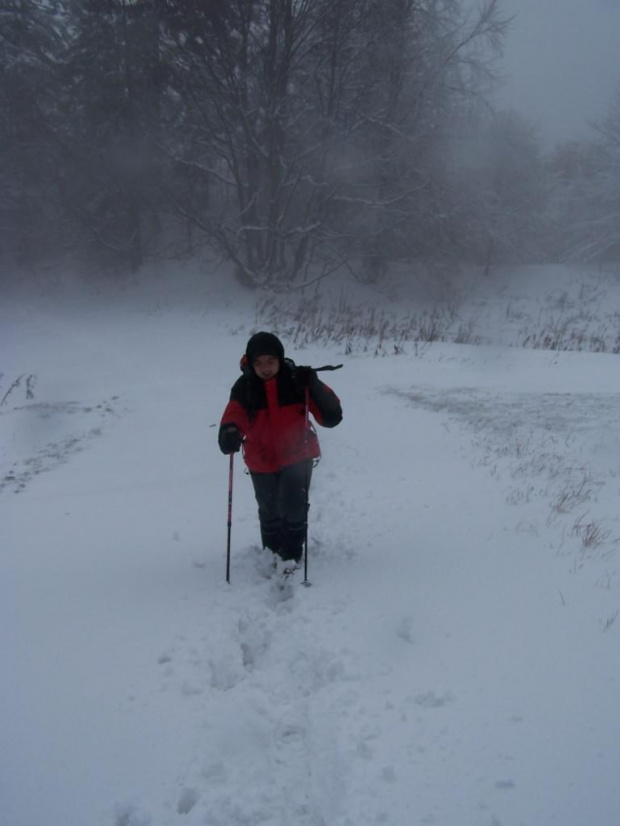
{"x":271,"y":417}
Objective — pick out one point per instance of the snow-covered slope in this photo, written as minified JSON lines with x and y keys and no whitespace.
{"x":455,"y":661}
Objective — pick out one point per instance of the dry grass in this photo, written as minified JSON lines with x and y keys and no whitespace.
{"x":26,"y":382}
{"x":363,"y":329}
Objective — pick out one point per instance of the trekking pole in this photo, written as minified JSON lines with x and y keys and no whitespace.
{"x":306,"y":582}
{"x":230,"y":499}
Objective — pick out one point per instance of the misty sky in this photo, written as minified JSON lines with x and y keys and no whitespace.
{"x":562,"y":63}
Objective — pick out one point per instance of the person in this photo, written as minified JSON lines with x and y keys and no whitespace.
{"x":267,"y":416}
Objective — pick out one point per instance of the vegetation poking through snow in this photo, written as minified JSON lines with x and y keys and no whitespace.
{"x":26,"y":382}
{"x":563,"y":323}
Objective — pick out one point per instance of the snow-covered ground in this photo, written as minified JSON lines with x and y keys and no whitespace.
{"x":457,"y":659}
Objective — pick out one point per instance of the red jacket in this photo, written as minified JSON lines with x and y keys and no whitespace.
{"x":271,"y":417}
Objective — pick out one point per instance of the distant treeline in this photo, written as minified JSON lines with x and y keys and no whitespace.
{"x":288,"y":137}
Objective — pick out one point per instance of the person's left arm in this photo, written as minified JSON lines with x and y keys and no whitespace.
{"x":324,"y":403}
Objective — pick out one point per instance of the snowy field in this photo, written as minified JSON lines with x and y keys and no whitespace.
{"x":456,"y":661}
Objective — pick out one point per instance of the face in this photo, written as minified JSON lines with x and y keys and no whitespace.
{"x":266,"y":367}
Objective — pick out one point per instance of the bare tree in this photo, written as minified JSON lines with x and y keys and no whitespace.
{"x":313,"y":128}
{"x":31,"y":40}
{"x":586,"y":197}
{"x":111,"y":78}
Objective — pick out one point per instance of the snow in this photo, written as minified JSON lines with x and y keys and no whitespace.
{"x":456,"y":660}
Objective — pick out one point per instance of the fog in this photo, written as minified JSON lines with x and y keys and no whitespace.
{"x":156,"y":156}
{"x":561,"y":63}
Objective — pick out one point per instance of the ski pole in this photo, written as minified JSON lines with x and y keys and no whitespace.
{"x":306,"y":581}
{"x":230,"y":499}
{"x":307,"y":420}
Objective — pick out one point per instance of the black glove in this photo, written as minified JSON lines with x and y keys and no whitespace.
{"x":305,"y":377}
{"x":230,"y":439}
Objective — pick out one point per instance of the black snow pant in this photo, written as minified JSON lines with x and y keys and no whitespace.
{"x":282,"y":499}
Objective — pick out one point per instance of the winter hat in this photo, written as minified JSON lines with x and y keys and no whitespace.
{"x":264,"y":344}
